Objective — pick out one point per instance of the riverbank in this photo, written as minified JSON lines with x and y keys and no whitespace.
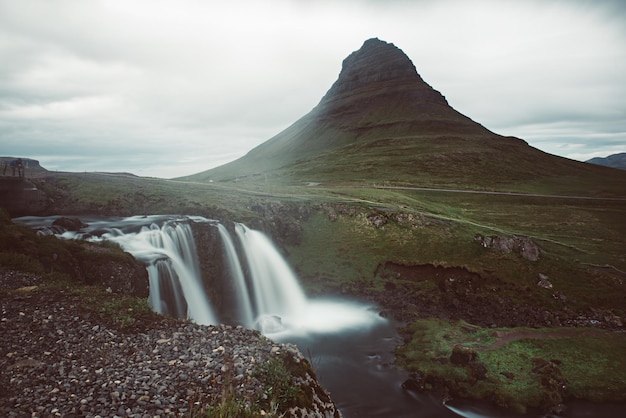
{"x":61,"y":355}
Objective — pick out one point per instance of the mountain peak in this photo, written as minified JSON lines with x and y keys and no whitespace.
{"x":377,"y":65}
{"x":375,"y":61}
{"x":377,"y":80}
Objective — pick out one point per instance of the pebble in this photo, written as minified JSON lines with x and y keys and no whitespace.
{"x":57,"y":359}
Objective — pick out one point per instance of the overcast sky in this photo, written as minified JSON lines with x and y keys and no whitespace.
{"x":168,"y":88}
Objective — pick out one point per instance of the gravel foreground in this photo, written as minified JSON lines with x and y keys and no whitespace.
{"x":57,"y":359}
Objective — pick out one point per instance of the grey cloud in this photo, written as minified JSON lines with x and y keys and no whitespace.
{"x":145,"y":85}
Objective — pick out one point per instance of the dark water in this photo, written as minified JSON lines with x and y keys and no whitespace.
{"x":357,"y":369}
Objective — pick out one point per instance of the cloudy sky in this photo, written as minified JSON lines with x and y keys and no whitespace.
{"x":168,"y":88}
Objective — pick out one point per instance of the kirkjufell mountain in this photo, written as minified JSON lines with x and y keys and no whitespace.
{"x":380,"y":122}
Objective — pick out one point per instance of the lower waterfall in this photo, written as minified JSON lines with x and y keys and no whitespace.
{"x":276,"y":291}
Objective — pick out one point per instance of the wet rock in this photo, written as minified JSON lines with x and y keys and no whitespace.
{"x":70,"y":224}
{"x":413,"y":384}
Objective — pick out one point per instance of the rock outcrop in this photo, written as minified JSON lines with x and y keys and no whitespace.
{"x":523,"y":246}
{"x":119,"y":273}
{"x":214,"y":269}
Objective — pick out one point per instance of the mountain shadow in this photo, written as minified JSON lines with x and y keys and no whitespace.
{"x":381,"y":123}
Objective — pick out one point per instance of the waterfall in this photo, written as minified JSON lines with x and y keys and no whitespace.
{"x":268,"y":295}
{"x":244,"y":304}
{"x":274,"y":285}
{"x":172,"y":262}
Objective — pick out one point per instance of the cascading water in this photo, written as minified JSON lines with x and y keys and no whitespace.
{"x":276,"y":291}
{"x":244,"y":305}
{"x":173,"y":269}
{"x":281,"y":306}
{"x":266,"y":291}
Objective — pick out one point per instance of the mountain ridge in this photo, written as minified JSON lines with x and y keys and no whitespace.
{"x":614,"y":161}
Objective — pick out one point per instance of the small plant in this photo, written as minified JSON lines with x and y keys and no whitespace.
{"x":230,"y":406}
{"x":279,"y":392}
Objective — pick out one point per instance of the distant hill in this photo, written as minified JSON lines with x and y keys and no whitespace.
{"x":381,"y":123}
{"x":31,"y":166}
{"x":28,"y":162}
{"x":614,"y":161}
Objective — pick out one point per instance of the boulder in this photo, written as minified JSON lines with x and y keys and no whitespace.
{"x":70,"y":224}
{"x":523,"y":246}
{"x":528,"y":249}
{"x":503,"y":244}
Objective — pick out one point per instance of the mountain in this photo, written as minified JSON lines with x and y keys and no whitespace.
{"x":614,"y":161}
{"x":380,"y":122}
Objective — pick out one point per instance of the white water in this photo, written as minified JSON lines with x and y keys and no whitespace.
{"x":234,"y":265}
{"x":268,"y":294}
{"x":171,"y":256}
{"x":275,"y":288}
{"x":281,"y":307}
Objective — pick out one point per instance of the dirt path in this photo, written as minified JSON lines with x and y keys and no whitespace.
{"x":486,"y":192}
{"x":506,"y":337}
